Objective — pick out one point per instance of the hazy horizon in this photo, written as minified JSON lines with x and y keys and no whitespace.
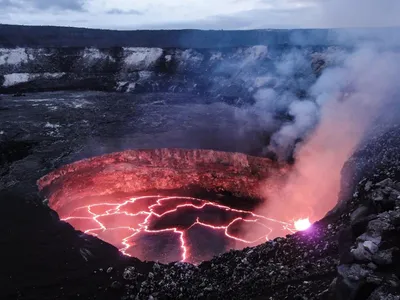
{"x":196,"y":14}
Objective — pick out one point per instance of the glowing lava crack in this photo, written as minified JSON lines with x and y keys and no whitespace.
{"x":97,"y":219}
{"x":110,"y":197}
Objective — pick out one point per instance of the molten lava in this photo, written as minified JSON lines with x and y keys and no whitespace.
{"x":127,"y":224}
{"x":147,"y":202}
{"x":302,"y":224}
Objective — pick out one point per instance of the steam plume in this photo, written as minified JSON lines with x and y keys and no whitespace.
{"x":339,"y":111}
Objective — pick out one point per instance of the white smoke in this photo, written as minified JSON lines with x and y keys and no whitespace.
{"x":305,"y":114}
{"x":347,"y":99}
{"x":340,"y":108}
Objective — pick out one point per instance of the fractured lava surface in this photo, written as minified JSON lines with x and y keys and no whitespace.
{"x":108,"y":197}
{"x":173,"y":228}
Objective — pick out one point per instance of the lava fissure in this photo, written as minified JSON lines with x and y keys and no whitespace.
{"x":170,"y":204}
{"x":163,"y":205}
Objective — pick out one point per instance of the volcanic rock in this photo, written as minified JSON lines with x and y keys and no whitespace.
{"x":130,"y":273}
{"x":137,"y":171}
{"x":374,"y":245}
{"x":358,"y":214}
{"x":382,"y":293}
{"x":304,"y":264}
{"x":384,"y":257}
{"x":362,"y":252}
{"x":301,"y":265}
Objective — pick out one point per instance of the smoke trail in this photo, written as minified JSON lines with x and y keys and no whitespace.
{"x":326,"y":125}
{"x":347,"y":98}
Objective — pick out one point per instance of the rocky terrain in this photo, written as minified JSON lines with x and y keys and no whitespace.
{"x":231,"y":74}
{"x":234,"y":72}
{"x":196,"y":93}
{"x":138,"y":171}
{"x":301,"y":266}
{"x":230,"y":65}
{"x":351,"y":254}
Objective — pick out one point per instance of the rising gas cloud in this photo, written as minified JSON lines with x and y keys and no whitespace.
{"x":337,"y":112}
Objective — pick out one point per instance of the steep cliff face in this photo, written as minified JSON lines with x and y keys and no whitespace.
{"x":135,"y":171}
{"x":231,"y":73}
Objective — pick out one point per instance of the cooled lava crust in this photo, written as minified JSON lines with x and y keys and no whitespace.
{"x":135,"y":172}
{"x":167,"y":204}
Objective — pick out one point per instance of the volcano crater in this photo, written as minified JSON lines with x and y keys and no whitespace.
{"x":167,"y":204}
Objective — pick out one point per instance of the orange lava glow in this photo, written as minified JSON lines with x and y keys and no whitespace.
{"x":115,"y":198}
{"x":302,"y":224}
{"x":126,"y":224}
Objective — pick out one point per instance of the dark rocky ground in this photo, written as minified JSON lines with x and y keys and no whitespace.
{"x":351,"y":254}
{"x":41,"y":132}
{"x":231,"y":74}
